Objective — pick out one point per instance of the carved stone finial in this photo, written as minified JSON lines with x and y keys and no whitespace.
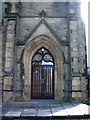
{"x":43,"y":14}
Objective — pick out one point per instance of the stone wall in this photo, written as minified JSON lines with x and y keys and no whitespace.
{"x":59,"y":28}
{"x":78,"y":60}
{"x":52,"y":9}
{"x":27,"y":25}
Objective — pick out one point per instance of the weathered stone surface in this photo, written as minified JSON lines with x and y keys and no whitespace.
{"x":64,"y":109}
{"x":29,"y":112}
{"x":51,"y":9}
{"x":15,"y":113}
{"x":58,"y":28}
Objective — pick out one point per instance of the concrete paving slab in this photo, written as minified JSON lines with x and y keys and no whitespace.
{"x":60,"y":113}
{"x":4,"y":111}
{"x":14,"y":113}
{"x":43,"y":105}
{"x":43,"y":113}
{"x":26,"y":105}
{"x":42,"y":109}
{"x":68,"y":107}
{"x":73,"y":111}
{"x":29,"y":112}
{"x":82,"y":108}
{"x":56,"y":109}
{"x":54,"y":104}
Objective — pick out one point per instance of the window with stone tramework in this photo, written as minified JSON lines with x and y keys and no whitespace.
{"x":42,"y":75}
{"x":43,"y":57}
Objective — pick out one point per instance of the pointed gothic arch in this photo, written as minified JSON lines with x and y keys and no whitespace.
{"x":56,"y":50}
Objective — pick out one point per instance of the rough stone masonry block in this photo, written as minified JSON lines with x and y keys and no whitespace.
{"x":11,"y":36}
{"x":51,"y":9}
{"x":18,"y":70}
{"x":19,"y":52}
{"x":76,"y":95}
{"x":7,"y":96}
{"x":7,"y":81}
{"x":73,"y":25}
{"x":26,"y":26}
{"x":76,"y":83}
{"x":59,"y":25}
{"x":72,"y":11}
{"x":65,"y":50}
{"x":9,"y":44}
{"x":0,"y":40}
{"x":1,"y":71}
{"x":17,"y":84}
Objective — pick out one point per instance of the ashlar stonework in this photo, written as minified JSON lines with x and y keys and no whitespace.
{"x":55,"y":26}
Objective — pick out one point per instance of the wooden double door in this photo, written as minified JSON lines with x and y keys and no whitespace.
{"x":42,"y":82}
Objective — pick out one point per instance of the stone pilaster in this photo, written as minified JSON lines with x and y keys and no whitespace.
{"x":10,"y":49}
{"x":77,"y":41}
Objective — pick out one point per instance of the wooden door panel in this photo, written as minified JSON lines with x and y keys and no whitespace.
{"x":42,"y":82}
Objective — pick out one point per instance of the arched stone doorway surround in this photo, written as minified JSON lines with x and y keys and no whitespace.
{"x":55,"y":49}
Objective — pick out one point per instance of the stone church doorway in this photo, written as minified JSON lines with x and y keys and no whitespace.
{"x":42,"y":83}
{"x":43,"y":59}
